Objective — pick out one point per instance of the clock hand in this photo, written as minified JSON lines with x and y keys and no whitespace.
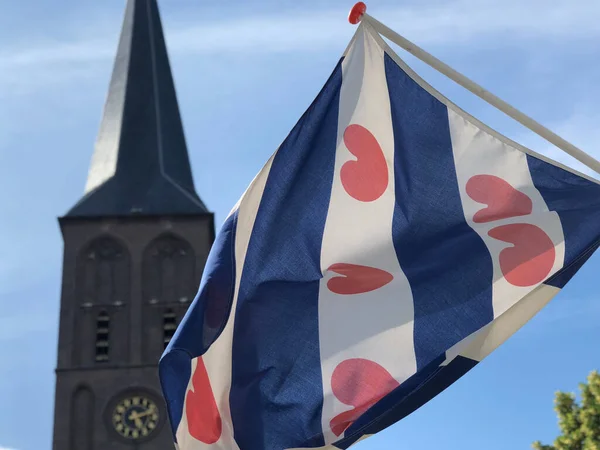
{"x":136,"y":419}
{"x":135,"y":414}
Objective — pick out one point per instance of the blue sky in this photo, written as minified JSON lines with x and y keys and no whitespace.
{"x":245,"y":73}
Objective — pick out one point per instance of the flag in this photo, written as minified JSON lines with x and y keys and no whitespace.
{"x":389,"y":245}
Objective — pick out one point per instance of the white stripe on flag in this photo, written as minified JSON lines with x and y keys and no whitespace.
{"x":362,"y":311}
{"x":217,"y":359}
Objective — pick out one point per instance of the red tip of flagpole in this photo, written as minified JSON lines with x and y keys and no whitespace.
{"x":357,"y":12}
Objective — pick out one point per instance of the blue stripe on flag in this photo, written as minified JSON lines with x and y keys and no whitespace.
{"x":447,"y":264}
{"x":277,"y":392}
{"x":577,"y":203}
{"x":203,"y":321}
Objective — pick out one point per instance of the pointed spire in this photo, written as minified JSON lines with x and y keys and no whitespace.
{"x":140,"y":164}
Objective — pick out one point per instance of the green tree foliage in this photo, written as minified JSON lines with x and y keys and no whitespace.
{"x":579,"y":422}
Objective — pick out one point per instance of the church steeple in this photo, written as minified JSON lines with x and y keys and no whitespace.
{"x":140,"y":163}
{"x":134,"y":250}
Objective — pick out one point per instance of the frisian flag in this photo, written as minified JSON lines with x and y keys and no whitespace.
{"x":389,"y":245}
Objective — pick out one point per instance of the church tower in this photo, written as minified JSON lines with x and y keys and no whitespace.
{"x":135,"y":246}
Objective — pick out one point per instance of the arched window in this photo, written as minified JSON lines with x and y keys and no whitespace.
{"x":82,"y":419}
{"x":169,"y":271}
{"x":104,"y":273}
{"x":102,"y":337}
{"x":169,"y":326}
{"x":169,"y":284}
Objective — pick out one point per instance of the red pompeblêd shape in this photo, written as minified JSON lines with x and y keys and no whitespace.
{"x":365,"y":179}
{"x":502,"y":200}
{"x":203,"y":418}
{"x":530,"y":259}
{"x":360,"y":383}
{"x":357,"y":279}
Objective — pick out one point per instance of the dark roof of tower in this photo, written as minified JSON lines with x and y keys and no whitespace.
{"x":140,"y":163}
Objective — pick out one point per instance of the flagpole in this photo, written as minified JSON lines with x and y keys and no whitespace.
{"x":358,"y":13}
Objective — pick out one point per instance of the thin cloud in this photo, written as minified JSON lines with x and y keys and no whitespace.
{"x":320,"y":31}
{"x":447,"y":24}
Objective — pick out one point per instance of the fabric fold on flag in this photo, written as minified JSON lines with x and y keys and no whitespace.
{"x":387,"y":247}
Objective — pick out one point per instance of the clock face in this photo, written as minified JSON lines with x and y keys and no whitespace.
{"x":135,"y":417}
